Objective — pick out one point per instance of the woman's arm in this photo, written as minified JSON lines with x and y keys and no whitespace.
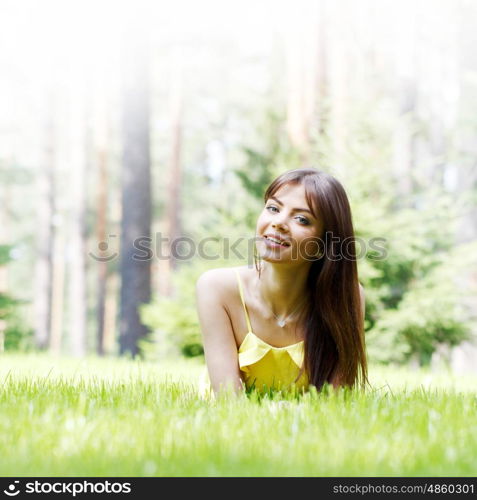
{"x":217,"y":334}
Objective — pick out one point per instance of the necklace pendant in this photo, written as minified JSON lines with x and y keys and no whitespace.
{"x":281,"y":323}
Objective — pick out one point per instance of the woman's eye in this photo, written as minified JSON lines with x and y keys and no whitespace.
{"x":303,"y":220}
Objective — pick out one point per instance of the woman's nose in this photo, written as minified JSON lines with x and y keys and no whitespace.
{"x":279,"y":222}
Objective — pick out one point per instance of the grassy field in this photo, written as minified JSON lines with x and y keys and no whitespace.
{"x":100,"y":417}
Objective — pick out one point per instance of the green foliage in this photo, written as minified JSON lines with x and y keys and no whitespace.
{"x":5,"y":254}
{"x":270,"y":156}
{"x":16,"y":335}
{"x":432,"y":312}
{"x":7,"y":305}
{"x":173,"y":320}
{"x":258,"y":165}
{"x":414,"y":302}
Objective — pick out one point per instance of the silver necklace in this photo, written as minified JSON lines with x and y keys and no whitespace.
{"x":282,"y":322}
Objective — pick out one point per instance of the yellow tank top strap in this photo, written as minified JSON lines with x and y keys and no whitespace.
{"x":249,"y":326}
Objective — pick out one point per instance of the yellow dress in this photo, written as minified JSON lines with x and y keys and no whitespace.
{"x":267,"y":367}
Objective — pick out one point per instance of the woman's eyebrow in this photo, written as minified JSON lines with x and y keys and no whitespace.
{"x":293,"y":209}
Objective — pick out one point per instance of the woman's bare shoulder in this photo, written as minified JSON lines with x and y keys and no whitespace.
{"x":222,"y":280}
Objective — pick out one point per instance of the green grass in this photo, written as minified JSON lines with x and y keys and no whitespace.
{"x":94,"y":417}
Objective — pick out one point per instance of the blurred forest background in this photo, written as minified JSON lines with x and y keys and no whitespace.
{"x":127,"y":120}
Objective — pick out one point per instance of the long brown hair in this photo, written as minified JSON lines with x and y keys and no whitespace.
{"x":334,"y":333}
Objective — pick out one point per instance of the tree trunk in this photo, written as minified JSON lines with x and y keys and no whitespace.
{"x":110,"y":314}
{"x":77,"y":236}
{"x":173,"y":227}
{"x":135,"y":263}
{"x":404,"y":140}
{"x":58,"y":299}
{"x":322,"y":83}
{"x":305,"y":65}
{"x":339,"y":63}
{"x":102,"y":266}
{"x":45,"y":235}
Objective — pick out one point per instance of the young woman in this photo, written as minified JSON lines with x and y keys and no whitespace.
{"x":297,"y":318}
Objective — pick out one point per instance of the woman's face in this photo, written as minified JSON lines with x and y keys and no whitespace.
{"x":286,"y":230}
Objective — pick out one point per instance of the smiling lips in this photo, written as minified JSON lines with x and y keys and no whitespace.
{"x":276,"y":240}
